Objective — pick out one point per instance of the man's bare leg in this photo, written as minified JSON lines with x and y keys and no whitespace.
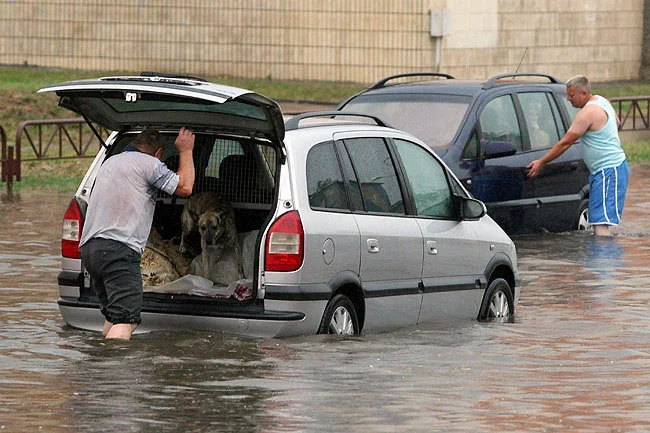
{"x":107,"y":327}
{"x":121,"y":331}
{"x":602,"y":230}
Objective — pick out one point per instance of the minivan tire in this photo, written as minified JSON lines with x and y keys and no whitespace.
{"x":340,"y":317}
{"x":583,"y":216}
{"x":498,"y":303}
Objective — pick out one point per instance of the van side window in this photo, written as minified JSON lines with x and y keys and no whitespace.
{"x":542,"y":129}
{"x":498,"y":122}
{"x":428,"y":181}
{"x":471,"y":150}
{"x":376,"y":175}
{"x":324,"y":180}
{"x":573,"y":111}
{"x":221,"y":149}
{"x":351,"y":178}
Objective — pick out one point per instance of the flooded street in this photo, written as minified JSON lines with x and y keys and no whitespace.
{"x":576,"y":358}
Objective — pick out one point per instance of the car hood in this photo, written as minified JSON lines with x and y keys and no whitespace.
{"x":132,"y":103}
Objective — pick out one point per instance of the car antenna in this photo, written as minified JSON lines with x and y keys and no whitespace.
{"x":522,"y":59}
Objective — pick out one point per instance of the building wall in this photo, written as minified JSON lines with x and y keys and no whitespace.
{"x":337,"y":40}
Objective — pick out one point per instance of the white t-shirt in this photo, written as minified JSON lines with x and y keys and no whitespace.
{"x":122,"y":202}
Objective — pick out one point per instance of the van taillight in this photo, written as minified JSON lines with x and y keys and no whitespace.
{"x":285,"y":243}
{"x":71,"y":231}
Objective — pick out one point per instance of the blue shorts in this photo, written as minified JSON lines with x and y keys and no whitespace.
{"x":607,"y":194}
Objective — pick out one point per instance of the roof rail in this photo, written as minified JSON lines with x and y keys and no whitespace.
{"x":382,"y":82}
{"x":493,"y":81}
{"x":167,"y":75}
{"x":294,"y":122}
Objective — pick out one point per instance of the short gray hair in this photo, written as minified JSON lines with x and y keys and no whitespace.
{"x":580,"y":82}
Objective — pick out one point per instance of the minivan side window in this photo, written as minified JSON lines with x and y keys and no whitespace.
{"x":218,"y":152}
{"x":471,"y":150}
{"x":376,"y":175}
{"x":324,"y":179}
{"x":542,"y":129}
{"x":428,"y":181}
{"x":350,"y":177}
{"x":498,"y":121}
{"x":573,"y":111}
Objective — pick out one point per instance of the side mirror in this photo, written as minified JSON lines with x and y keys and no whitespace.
{"x":470,"y":209}
{"x":498,"y":149}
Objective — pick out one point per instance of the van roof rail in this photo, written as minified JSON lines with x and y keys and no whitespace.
{"x":382,"y":82}
{"x":167,"y":75}
{"x":493,"y":81}
{"x":294,"y":122}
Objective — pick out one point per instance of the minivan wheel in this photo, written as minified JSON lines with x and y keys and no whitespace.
{"x":339,"y":317}
{"x":583,"y":216}
{"x":498,"y":304}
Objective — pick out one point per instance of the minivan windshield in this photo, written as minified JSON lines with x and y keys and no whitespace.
{"x":433,"y":118}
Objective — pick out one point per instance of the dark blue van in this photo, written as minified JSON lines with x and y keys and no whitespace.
{"x":487,"y":132}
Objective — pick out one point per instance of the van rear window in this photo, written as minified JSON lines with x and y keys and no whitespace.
{"x":433,"y":118}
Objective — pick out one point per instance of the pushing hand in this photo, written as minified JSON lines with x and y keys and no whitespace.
{"x":185,"y":140}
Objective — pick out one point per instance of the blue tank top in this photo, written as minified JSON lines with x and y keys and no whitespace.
{"x":602,"y":149}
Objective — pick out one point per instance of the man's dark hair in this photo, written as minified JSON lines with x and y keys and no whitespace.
{"x":149,"y":141}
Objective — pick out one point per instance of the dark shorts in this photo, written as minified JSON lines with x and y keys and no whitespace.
{"x":116,"y":278}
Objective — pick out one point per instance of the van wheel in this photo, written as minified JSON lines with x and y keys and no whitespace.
{"x":339,"y":317}
{"x":583,"y":216}
{"x":498,"y":303}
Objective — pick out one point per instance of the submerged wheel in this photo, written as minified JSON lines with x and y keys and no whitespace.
{"x":339,"y":317}
{"x":583,"y":216}
{"x":498,"y":303}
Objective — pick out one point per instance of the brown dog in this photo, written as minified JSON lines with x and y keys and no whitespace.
{"x":214,"y":219}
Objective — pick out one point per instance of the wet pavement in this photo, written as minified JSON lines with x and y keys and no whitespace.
{"x":576,"y":358}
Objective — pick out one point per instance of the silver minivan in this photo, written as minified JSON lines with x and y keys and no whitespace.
{"x":344,"y":225}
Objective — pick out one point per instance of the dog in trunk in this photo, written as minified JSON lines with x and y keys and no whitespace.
{"x":213,"y":218}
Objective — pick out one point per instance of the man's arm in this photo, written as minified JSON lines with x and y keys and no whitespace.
{"x":185,"y":144}
{"x":579,"y":126}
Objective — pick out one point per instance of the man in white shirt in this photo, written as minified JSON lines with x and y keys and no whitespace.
{"x":118,"y":221}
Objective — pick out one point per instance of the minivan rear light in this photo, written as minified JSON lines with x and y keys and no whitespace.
{"x":285,"y":243}
{"x":71,"y":231}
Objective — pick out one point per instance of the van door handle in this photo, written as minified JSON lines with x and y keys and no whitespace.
{"x":373,"y":245}
{"x":432,"y":247}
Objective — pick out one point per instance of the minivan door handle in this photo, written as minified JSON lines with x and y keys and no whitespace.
{"x":432,"y":247}
{"x":373,"y":245}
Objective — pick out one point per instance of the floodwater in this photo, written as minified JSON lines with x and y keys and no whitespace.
{"x":576,"y":358}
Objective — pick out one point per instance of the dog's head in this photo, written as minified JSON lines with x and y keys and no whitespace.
{"x":214,"y":228}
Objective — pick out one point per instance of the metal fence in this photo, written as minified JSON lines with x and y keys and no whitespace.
{"x":48,"y":140}
{"x":634,"y":112}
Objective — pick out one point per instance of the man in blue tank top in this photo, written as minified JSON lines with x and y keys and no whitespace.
{"x":597,"y":124}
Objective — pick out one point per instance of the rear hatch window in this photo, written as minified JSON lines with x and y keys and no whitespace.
{"x":131,"y":103}
{"x":433,"y":118}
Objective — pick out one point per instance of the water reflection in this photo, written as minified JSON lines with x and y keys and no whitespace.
{"x":604,"y":256}
{"x":164,"y":380}
{"x":576,"y":357}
